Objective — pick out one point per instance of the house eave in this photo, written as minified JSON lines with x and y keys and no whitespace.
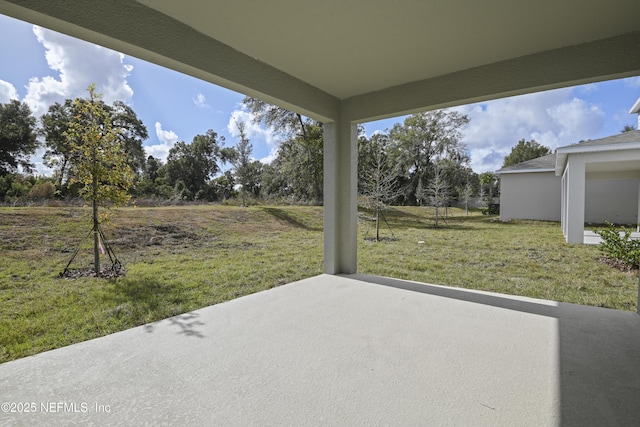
{"x":563,"y":152}
{"x":561,"y":162}
{"x":501,"y":172}
{"x":571,"y":149}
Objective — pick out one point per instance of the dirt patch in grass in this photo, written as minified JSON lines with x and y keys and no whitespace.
{"x":155,"y":235}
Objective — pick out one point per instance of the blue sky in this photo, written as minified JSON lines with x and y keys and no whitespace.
{"x":40,"y":67}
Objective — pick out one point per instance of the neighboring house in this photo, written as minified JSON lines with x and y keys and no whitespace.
{"x":531,"y":190}
{"x":590,"y":182}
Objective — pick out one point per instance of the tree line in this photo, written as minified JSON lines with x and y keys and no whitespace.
{"x":421,"y":161}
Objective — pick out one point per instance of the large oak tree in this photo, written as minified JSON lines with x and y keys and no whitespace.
{"x":17,"y":137}
{"x":422,"y":139}
{"x":525,"y":150}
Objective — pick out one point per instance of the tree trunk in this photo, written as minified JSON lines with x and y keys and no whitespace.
{"x":377,"y":224}
{"x":317,"y":185}
{"x":436,"y":215}
{"x":63,"y":168}
{"x":96,"y":238}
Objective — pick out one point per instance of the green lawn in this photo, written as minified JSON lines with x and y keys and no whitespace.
{"x":528,"y":258}
{"x":183,"y":258}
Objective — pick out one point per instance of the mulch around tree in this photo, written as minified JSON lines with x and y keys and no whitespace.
{"x":105,"y":273}
{"x":617,"y":264}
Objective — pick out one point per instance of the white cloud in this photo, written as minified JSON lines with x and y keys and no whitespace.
{"x":254,"y":132}
{"x":166,"y":136}
{"x":588,"y":88}
{"x":78,"y":64}
{"x":167,"y":139}
{"x":200,"y":101}
{"x":554,"y":118}
{"x":7,"y":92}
{"x":269,"y":158}
{"x":38,"y":163}
{"x":633,"y":82}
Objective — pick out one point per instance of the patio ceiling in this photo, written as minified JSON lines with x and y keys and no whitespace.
{"x":363,"y":59}
{"x":629,"y":167}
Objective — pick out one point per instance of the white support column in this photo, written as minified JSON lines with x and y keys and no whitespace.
{"x":563,"y":204}
{"x":340,"y":197}
{"x":638,"y":216}
{"x":575,"y":175}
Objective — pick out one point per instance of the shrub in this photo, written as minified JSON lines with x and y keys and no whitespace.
{"x":618,"y":245}
{"x":42,"y":190}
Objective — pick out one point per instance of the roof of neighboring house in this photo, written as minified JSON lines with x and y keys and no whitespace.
{"x":623,"y":141}
{"x":621,"y":138}
{"x":541,"y":164}
{"x":554,"y":162}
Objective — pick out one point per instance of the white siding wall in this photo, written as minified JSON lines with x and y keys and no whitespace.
{"x":530,"y":196}
{"x":614,"y":200}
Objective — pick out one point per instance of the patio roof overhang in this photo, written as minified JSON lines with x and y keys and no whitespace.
{"x":563,"y":153}
{"x":348,"y":62}
{"x":362,"y":60}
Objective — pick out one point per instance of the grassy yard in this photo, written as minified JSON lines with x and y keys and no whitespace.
{"x":183,"y":258}
{"x":528,"y":258}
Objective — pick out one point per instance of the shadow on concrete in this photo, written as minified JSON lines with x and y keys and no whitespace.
{"x":187,"y":323}
{"x":599,"y":352}
{"x":143,"y":297}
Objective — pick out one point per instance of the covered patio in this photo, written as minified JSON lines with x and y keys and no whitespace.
{"x":353,"y":350}
{"x":346,"y":350}
{"x":607,"y":167}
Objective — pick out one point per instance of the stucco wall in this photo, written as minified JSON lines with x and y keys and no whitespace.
{"x":530,"y":196}
{"x":614,"y":200}
{"x":537,"y":196}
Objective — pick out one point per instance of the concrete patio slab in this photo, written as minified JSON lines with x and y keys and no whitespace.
{"x":591,"y":238}
{"x":351,"y":350}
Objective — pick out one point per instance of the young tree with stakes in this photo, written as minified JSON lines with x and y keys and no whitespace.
{"x":466,"y":193}
{"x":378,"y":179}
{"x":465,"y":187}
{"x":437,"y":192}
{"x":100,"y":162}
